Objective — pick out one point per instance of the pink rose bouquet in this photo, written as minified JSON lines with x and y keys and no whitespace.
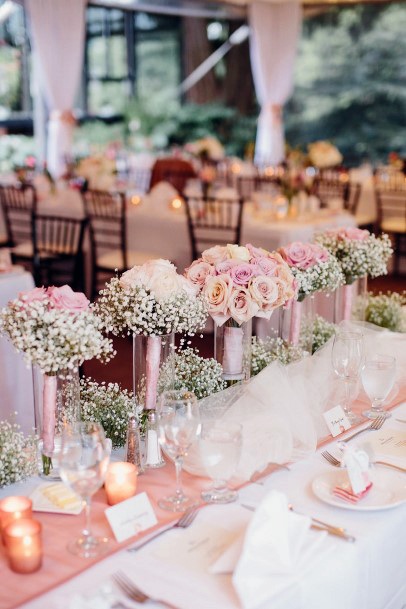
{"x":241,"y":282}
{"x":359,"y":252}
{"x":314,"y":268}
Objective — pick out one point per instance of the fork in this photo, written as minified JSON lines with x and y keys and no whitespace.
{"x":333,"y":461}
{"x":134,"y":593}
{"x":183,"y":523}
{"x":374,"y":426}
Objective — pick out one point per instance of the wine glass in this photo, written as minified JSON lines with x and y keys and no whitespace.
{"x":347,"y":357}
{"x":378,"y":378}
{"x":220,"y":448}
{"x":83,"y":466}
{"x":179,"y":426}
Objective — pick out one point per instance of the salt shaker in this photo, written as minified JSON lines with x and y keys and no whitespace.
{"x":133,"y":453}
{"x":153,"y":449}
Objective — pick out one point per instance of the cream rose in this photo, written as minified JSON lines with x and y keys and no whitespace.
{"x":198,"y":271}
{"x":264,"y":291}
{"x":135,"y":277}
{"x":217,"y":291}
{"x":239,"y":252}
{"x":241,"y":305}
{"x":215,"y":254}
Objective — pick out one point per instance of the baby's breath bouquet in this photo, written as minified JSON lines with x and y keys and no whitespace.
{"x":203,"y":376}
{"x":266,"y":351}
{"x":359,"y":252}
{"x":318,"y":332}
{"x":18,"y":459}
{"x":386,"y":310}
{"x":56,"y":331}
{"x":109,"y":405}
{"x":151,"y":301}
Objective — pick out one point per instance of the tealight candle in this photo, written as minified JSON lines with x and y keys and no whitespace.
{"x":121,"y":482}
{"x":22,"y":539}
{"x":176,"y":203}
{"x":14,"y":508}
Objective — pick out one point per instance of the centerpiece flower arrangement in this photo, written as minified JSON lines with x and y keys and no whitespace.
{"x":55,"y":330}
{"x":323,"y":154}
{"x":239,"y":283}
{"x":315,"y":269}
{"x":18,"y":459}
{"x":360,"y":254}
{"x":152,"y":302}
{"x":385,"y":310}
{"x":266,"y":351}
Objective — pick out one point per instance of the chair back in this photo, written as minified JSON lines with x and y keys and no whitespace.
{"x":213,"y":221}
{"x":246,"y":185}
{"x":18,"y":203}
{"x":328,"y":189}
{"x":107,"y":223}
{"x":391,"y":206}
{"x":58,"y":236}
{"x":175,"y":171}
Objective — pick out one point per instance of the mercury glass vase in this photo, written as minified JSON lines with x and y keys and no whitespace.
{"x":153,"y":368}
{"x":56,"y":405}
{"x":232,"y":349}
{"x":351,"y":301}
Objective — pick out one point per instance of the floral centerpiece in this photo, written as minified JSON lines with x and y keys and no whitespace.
{"x":318,"y":333}
{"x":266,"y":351}
{"x":323,"y":154}
{"x":207,"y":148}
{"x":239,"y":283}
{"x":151,"y":301}
{"x":385,"y":310}
{"x":360,"y":254}
{"x":56,"y":331}
{"x":18,"y":458}
{"x":109,"y":405}
{"x":315,"y":269}
{"x":99,"y":172}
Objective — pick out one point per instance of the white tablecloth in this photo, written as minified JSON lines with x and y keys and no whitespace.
{"x":16,"y":394}
{"x":368,"y":574}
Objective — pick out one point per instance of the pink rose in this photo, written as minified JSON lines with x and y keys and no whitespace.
{"x":66,"y":298}
{"x":33,"y":295}
{"x":320,"y":253}
{"x":224,"y":268}
{"x":241,"y":273}
{"x":268,"y":266}
{"x":215,"y":254}
{"x":353,"y":233}
{"x":256,"y":252}
{"x":198,"y":271}
{"x":264,"y":291}
{"x":217,"y":291}
{"x":299,"y":255}
{"x":242,"y":306}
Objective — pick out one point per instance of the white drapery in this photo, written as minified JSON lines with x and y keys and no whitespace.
{"x":58,"y":32}
{"x":275,"y":30}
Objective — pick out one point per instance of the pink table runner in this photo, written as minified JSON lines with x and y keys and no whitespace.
{"x":59,"y":565}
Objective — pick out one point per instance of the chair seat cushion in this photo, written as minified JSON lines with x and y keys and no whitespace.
{"x":365,"y":219}
{"x":394,"y":225}
{"x":25,"y":250}
{"x":113,"y":259}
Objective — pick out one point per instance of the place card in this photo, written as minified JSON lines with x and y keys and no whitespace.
{"x":131,"y":516}
{"x":337,"y":421}
{"x":389,"y":443}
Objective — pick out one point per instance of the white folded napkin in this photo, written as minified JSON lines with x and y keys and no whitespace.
{"x":276,"y":551}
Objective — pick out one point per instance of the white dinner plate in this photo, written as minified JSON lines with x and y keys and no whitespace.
{"x":388,"y":490}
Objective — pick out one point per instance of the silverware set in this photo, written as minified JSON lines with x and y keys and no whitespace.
{"x":374,"y":426}
{"x":183,"y":523}
{"x":334,"y":461}
{"x":132,"y":592}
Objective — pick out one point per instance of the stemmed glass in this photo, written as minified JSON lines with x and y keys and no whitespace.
{"x":220,"y":448}
{"x":83,"y":466}
{"x":347,"y":357}
{"x":179,"y":426}
{"x":378,"y":377}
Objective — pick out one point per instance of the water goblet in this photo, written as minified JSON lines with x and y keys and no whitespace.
{"x":378,"y":378}
{"x":220,"y":448}
{"x":83,"y":464}
{"x":179,"y":426}
{"x":347,"y":357}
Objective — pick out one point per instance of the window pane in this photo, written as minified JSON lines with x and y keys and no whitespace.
{"x":107,"y":98}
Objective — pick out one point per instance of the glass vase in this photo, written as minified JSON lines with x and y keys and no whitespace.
{"x":296,"y":324}
{"x":153,"y":368}
{"x":232,"y":349}
{"x":351,"y":301}
{"x":56,"y":405}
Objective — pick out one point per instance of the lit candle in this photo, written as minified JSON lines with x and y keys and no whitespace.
{"x":176,"y":203}
{"x":121,"y":482}
{"x":22,"y":539}
{"x":14,"y":508}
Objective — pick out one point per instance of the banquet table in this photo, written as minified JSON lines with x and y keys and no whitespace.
{"x":16,"y":393}
{"x":367,"y":574}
